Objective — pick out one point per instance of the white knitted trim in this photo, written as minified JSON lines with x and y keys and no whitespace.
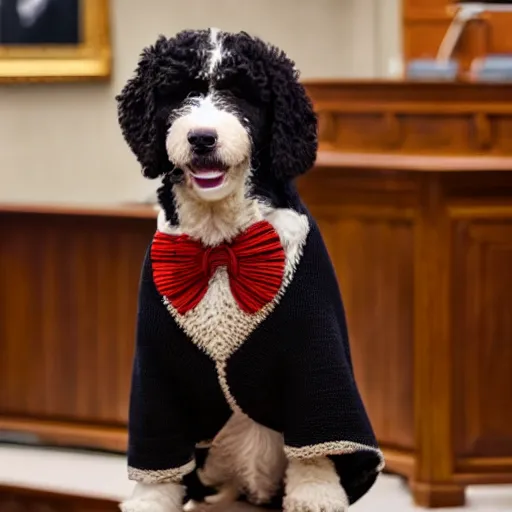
{"x":224,"y":386}
{"x":332,"y":448}
{"x":160,"y":476}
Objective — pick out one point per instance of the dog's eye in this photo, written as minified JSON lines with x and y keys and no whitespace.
{"x":198,"y":87}
{"x":240,"y":92}
{"x":241,"y":86}
{"x":179,"y":90}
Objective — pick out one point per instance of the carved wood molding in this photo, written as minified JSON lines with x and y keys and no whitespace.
{"x":404,"y":118}
{"x":68,"y":434}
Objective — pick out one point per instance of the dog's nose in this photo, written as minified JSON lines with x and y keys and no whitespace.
{"x":202,"y":140}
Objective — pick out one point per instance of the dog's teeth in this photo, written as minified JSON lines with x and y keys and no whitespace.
{"x":208,"y":175}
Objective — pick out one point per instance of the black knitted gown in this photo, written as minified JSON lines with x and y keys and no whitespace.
{"x":288,"y":367}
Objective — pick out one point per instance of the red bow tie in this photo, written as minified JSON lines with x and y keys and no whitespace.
{"x":183,"y":267}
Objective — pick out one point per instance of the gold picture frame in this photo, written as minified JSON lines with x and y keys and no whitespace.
{"x":89,"y":59}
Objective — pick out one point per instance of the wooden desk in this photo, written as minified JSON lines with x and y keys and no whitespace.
{"x":68,"y":298}
{"x":413,"y":194}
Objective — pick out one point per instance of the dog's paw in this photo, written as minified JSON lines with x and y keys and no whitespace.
{"x":138,"y":505}
{"x":316,"y":497}
{"x":154,"y":498}
{"x":314,"y":486}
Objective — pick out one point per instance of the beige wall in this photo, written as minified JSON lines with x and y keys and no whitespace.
{"x":61,"y":142}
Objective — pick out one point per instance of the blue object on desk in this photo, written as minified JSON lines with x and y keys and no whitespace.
{"x":492,"y":68}
{"x":432,"y":69}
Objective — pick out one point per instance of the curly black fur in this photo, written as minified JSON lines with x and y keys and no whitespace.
{"x":148,"y":98}
{"x":268,"y":75}
{"x":258,"y":79}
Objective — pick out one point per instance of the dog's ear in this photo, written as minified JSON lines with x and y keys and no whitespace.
{"x":294,"y":142}
{"x":143,"y":126}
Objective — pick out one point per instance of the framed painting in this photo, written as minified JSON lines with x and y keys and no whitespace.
{"x":54,"y":40}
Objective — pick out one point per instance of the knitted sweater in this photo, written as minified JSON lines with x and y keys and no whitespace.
{"x":288,"y":367}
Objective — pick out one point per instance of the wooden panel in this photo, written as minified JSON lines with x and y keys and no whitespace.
{"x":368,"y":228}
{"x":482,"y":333}
{"x":479,"y":192}
{"x":13,"y":499}
{"x":357,"y":130}
{"x":436,"y":133}
{"x":410,"y":7}
{"x":373,"y":259}
{"x":67,"y":315}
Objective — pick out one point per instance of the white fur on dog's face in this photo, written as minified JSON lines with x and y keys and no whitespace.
{"x":233,"y":150}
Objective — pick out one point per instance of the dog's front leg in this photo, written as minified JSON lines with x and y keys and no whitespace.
{"x":166,"y":497}
{"x":314,"y":486}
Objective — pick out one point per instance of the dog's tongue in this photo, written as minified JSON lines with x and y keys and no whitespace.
{"x":208,"y":173}
{"x":208,"y":178}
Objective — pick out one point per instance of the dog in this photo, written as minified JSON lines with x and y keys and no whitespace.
{"x":226,"y":337}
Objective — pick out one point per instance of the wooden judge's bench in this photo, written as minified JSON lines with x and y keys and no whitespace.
{"x":413,"y":193}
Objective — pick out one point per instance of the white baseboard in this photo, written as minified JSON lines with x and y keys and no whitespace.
{"x":84,"y":474}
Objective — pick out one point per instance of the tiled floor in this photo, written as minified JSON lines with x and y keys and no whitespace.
{"x":105,"y":476}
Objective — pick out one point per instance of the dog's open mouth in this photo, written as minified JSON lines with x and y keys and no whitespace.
{"x":208,"y":178}
{"x":208,"y":173}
